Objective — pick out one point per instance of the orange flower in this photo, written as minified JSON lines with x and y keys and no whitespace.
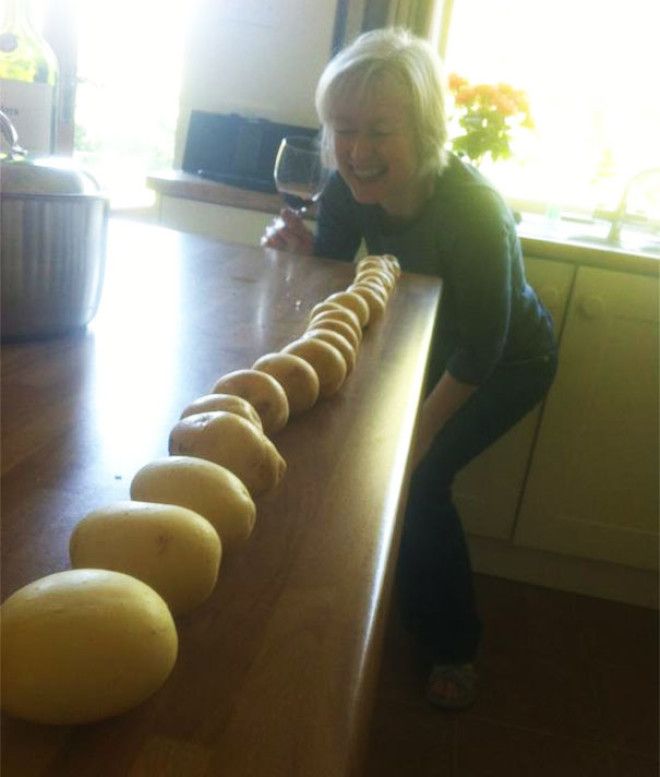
{"x":465,"y":95}
{"x":456,"y":82}
{"x":504,"y":104}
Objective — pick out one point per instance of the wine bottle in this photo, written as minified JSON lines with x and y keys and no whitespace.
{"x":28,"y":79}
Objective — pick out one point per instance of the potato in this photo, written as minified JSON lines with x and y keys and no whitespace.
{"x":383,"y":277}
{"x":207,"y":488}
{"x":231,"y":403}
{"x":262,"y":391}
{"x":393,"y":265}
{"x":339,"y":342}
{"x":297,"y":377}
{"x":83,"y":645}
{"x":328,"y":321}
{"x":338,"y":311}
{"x":374,"y":299}
{"x":327,"y":361}
{"x":170,"y":548}
{"x":354,"y":303}
{"x":232,"y":442}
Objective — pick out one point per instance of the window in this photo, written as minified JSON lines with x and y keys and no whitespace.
{"x":129,"y":63}
{"x":588,"y":67}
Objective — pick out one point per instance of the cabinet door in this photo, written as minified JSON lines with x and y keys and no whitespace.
{"x":487,"y":492}
{"x":592,"y":490}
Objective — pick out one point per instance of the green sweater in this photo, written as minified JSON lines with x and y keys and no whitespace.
{"x":466,"y":235}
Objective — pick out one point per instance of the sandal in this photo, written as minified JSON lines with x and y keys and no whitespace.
{"x":452,"y":686}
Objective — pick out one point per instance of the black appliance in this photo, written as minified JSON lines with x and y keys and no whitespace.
{"x":236,"y":150}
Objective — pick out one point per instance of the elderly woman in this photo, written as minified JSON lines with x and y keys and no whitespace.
{"x":493,"y":357}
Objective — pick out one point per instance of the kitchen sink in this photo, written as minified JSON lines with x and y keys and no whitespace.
{"x":640,"y":243}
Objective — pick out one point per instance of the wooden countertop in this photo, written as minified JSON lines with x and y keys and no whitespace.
{"x":276,"y":671}
{"x":534,"y":237}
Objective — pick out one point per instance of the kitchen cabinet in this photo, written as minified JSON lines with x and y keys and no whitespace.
{"x":592,"y":489}
{"x":487,"y":492}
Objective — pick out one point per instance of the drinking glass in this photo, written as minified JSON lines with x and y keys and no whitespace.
{"x":299,"y":172}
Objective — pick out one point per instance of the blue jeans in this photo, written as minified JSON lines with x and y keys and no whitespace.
{"x":435,"y":575}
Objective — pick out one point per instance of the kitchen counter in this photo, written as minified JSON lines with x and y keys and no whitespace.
{"x":276,"y":670}
{"x":539,"y":237}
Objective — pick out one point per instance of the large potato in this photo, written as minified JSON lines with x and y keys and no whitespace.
{"x":170,"y":548}
{"x":232,"y":442}
{"x":228,"y":402}
{"x":207,"y":488}
{"x":262,"y":391}
{"x":83,"y":645}
{"x":296,"y":376}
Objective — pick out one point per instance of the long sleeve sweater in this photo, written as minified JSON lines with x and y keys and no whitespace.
{"x":466,"y":235}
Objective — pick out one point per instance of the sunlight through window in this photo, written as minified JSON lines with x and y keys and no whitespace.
{"x":129,"y":68}
{"x":587,"y":68}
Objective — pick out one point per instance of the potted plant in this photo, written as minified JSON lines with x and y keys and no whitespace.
{"x":488,"y":115}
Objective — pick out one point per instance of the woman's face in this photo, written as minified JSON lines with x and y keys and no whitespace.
{"x":375,"y":149}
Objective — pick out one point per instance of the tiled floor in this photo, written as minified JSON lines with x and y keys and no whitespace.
{"x":569,"y":688}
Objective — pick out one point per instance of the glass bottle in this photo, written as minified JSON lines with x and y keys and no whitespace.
{"x":28,"y":79}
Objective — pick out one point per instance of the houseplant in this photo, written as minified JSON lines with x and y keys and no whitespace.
{"x":487,"y":117}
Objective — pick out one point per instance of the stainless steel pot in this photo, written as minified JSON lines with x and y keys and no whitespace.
{"x":53,"y":228}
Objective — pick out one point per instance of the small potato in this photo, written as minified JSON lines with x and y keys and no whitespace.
{"x":232,"y":442}
{"x":393,"y":265}
{"x":203,"y":486}
{"x":231,"y":403}
{"x":353,"y":302}
{"x":328,"y":321}
{"x":327,"y":361}
{"x":384,"y":277}
{"x":170,"y":548}
{"x":375,"y":301}
{"x":262,"y":391}
{"x":339,"y":342}
{"x":297,"y":377}
{"x":338,"y":311}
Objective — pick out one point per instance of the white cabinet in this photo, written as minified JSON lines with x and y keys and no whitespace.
{"x":487,"y":492}
{"x":592,"y":489}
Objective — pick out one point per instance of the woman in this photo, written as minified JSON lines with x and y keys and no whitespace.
{"x":493,"y":356}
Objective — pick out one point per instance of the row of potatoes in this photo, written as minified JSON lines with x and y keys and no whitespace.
{"x":95,"y":641}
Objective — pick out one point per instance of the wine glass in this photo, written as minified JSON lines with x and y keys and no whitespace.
{"x":299,"y":172}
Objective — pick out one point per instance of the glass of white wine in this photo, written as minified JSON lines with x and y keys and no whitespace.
{"x":299,"y":171}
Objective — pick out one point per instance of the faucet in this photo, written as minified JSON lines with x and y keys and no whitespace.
{"x":620,"y":216}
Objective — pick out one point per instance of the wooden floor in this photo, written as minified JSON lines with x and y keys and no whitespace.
{"x":569,"y":687}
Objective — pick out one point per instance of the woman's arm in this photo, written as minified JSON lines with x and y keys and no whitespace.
{"x":447,"y":396}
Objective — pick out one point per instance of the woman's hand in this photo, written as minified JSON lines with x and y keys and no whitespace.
{"x":288,"y":232}
{"x":447,"y":396}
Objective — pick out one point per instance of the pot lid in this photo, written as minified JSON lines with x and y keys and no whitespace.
{"x":22,"y":174}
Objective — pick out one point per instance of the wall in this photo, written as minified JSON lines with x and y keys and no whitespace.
{"x":259,"y":58}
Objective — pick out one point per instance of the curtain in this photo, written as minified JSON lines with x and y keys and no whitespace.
{"x":426,"y":18}
{"x":418,"y":16}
